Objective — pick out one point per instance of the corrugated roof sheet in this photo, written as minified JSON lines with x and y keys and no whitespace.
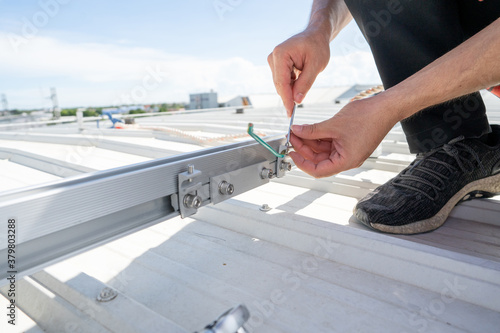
{"x":303,"y":266}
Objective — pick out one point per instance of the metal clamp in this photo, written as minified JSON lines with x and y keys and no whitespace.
{"x":283,"y":163}
{"x":193,"y":194}
{"x":189,"y":200}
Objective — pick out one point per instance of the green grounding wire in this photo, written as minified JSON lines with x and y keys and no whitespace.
{"x":262,"y":142}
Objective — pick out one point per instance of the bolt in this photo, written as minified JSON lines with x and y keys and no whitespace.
{"x":265,"y":208}
{"x":286,"y":166}
{"x":106,"y":295}
{"x":190,"y":171}
{"x":192,"y":201}
{"x":266,"y":173}
{"x":226,"y":188}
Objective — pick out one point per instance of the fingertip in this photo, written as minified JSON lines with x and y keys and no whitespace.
{"x":296,"y":158}
{"x":299,"y":97}
{"x":297,"y":129}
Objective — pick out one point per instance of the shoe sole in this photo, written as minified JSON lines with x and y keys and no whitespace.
{"x":486,"y":185}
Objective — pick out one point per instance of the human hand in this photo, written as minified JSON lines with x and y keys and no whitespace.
{"x":342,"y":142}
{"x":296,"y":63}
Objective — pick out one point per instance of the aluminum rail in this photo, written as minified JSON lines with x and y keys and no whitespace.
{"x":60,"y":218}
{"x":74,"y":119}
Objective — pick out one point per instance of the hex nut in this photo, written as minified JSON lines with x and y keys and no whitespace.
{"x":264,"y":208}
{"x":287,"y":166}
{"x":266,"y":173}
{"x":192,"y":201}
{"x":226,"y":188}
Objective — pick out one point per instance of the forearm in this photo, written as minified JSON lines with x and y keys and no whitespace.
{"x":329,"y":17}
{"x":471,"y":66}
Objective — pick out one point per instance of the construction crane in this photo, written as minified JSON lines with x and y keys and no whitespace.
{"x":55,"y":103}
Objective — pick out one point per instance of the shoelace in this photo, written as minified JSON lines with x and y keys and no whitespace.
{"x":452,"y":149}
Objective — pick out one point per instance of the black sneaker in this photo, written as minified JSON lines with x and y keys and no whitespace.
{"x":421,"y":197}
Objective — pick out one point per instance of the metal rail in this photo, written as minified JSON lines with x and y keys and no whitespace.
{"x":63,"y":217}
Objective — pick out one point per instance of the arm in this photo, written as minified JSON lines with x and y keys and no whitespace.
{"x":296,"y":63}
{"x":329,"y":17}
{"x":471,"y":66}
{"x":348,"y":138}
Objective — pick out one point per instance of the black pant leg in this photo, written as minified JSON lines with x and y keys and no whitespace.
{"x":407,"y":35}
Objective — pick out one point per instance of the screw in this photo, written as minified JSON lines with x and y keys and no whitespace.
{"x":190,"y":171}
{"x":106,"y":295}
{"x":265,"y":208}
{"x":266,"y":173}
{"x":192,"y":201}
{"x":286,"y":166}
{"x":226,"y":188}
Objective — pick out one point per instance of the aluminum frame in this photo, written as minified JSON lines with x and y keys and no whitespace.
{"x":56,"y":219}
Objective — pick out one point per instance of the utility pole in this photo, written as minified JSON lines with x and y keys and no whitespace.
{"x":5,"y":105}
{"x":55,"y":104}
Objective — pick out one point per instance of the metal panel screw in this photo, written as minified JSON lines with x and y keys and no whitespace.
{"x":265,"y":208}
{"x":266,"y":173}
{"x":192,"y":201}
{"x":106,"y":295}
{"x":226,"y":188}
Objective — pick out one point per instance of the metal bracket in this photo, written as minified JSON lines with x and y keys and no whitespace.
{"x":283,"y":164}
{"x":188,"y":199}
{"x":229,"y":184}
{"x":192,"y":193}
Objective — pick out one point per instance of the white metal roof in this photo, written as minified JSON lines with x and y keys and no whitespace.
{"x":303,"y":266}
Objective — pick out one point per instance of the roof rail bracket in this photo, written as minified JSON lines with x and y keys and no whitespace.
{"x":188,"y":198}
{"x":283,"y":164}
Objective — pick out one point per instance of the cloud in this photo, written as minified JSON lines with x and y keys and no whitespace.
{"x":104,"y":74}
{"x":357,"y":67}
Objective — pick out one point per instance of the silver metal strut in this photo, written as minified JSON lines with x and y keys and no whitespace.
{"x":56,"y":219}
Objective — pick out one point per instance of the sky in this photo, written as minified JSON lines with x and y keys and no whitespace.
{"x":98,"y":53}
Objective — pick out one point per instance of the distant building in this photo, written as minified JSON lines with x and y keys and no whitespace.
{"x":203,"y":101}
{"x":238,"y":101}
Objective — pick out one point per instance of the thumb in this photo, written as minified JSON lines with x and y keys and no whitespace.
{"x":311,"y":132}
